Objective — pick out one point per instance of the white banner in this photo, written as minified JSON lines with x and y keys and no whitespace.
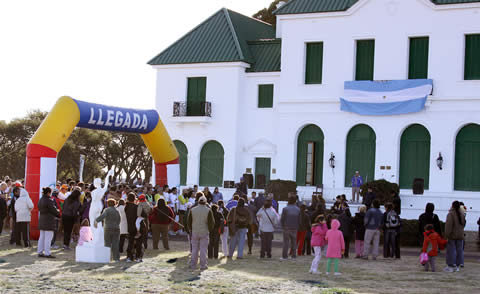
{"x":82,"y":163}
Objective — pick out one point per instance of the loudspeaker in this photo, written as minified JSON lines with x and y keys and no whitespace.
{"x":418,"y":186}
{"x":248,"y":178}
{"x":260,"y":182}
{"x":228,"y":184}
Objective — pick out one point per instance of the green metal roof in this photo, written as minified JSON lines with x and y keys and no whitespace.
{"x":442,"y":2}
{"x":267,"y":55}
{"x":311,"y":6}
{"x":221,"y":38}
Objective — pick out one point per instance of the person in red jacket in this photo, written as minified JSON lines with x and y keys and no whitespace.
{"x":160,"y":218}
{"x":432,"y":241}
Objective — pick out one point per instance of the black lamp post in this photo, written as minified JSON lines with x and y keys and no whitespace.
{"x":331,"y":161}
{"x":440,"y":160}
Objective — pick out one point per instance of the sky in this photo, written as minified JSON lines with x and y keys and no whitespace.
{"x":95,"y":51}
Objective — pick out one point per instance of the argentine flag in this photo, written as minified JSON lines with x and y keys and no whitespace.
{"x":385,"y":97}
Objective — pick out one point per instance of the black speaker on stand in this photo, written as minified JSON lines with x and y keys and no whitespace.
{"x":248,"y":178}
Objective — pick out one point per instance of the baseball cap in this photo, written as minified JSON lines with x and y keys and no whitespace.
{"x":141,"y":197}
{"x":18,"y":184}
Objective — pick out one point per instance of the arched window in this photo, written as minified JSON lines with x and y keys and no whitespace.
{"x":310,"y":156}
{"x":360,"y":154}
{"x":211,"y":164}
{"x":183,"y":152}
{"x":414,"y":156}
{"x":467,"y":158}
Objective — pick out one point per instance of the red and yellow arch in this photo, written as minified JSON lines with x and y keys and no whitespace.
{"x":69,"y":113}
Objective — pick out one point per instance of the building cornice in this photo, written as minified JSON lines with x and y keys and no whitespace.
{"x":203,"y":65}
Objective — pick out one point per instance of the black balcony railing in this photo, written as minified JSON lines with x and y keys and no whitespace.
{"x":192,"y":108}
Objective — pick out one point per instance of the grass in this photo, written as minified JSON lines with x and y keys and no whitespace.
{"x":23,"y":272}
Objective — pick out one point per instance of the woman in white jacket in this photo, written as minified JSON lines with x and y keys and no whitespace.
{"x":23,"y":207}
{"x":123,"y":224}
{"x":268,"y":218}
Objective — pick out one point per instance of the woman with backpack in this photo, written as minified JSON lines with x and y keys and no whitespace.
{"x":160,"y":218}
{"x":391,"y":223}
{"x":239,"y":220}
{"x":454,"y":232}
{"x":267,"y":218}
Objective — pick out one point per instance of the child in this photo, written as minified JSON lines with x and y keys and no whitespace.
{"x":85,"y":232}
{"x":336,"y":246}
{"x":432,"y":241}
{"x":319,"y":230}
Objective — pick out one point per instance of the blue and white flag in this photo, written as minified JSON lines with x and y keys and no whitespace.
{"x":385,"y":97}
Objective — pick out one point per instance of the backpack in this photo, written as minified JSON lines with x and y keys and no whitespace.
{"x":242,"y":220}
{"x":393,"y":220}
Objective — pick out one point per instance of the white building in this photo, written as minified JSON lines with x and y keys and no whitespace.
{"x":240,"y":96}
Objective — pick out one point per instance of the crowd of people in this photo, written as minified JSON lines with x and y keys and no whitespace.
{"x":134,"y":213}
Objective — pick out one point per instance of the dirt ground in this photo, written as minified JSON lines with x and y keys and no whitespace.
{"x":21,"y":271}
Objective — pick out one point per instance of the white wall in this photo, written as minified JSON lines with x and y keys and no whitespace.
{"x":247,"y":132}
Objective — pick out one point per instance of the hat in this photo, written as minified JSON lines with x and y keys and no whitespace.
{"x":141,"y":197}
{"x":202,"y":199}
{"x":64,"y":186}
{"x":18,"y":184}
{"x":356,"y":172}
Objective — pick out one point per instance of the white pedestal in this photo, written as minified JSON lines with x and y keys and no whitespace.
{"x":92,"y":253}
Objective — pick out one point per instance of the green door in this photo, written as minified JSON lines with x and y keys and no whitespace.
{"x":414,"y":156}
{"x":310,"y":156}
{"x":262,"y":167}
{"x":211,"y":164}
{"x":196,"y":93}
{"x":360,"y":154}
{"x":467,"y":159}
{"x":183,"y":152}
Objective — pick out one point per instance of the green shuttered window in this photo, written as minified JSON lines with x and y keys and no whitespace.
{"x":211,"y":164}
{"x":418,"y":60}
{"x":310,"y":156}
{"x":472,"y":57}
{"x":365,"y":60}
{"x":265,"y":96}
{"x":196,"y":93}
{"x":183,"y":152}
{"x":314,"y":63}
{"x":414,"y":156}
{"x":467,"y":158}
{"x":360,"y":154}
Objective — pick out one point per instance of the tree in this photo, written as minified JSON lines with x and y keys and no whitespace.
{"x":266,"y":14}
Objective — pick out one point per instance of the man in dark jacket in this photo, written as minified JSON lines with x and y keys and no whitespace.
{"x":346,"y":227}
{"x":47,"y":222}
{"x":131,"y":213}
{"x":373,"y":223}
{"x":397,"y":206}
{"x":369,"y":197}
{"x":13,"y":214}
{"x":3,"y":212}
{"x":290,"y":220}
{"x":111,"y":218}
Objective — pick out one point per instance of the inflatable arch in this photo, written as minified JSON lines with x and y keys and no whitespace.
{"x":68,"y":113}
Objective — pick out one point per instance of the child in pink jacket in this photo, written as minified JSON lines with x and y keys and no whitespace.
{"x":85,"y":232}
{"x":336,"y":246}
{"x":319,"y":230}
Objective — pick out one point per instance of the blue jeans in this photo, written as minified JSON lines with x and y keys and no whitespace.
{"x":454,"y":253}
{"x":238,"y":238}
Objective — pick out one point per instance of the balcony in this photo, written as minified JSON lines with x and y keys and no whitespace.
{"x":192,"y":112}
{"x":192,"y":109}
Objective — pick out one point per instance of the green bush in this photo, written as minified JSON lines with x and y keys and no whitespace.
{"x":280,"y":189}
{"x":410,"y":236}
{"x":382,"y":189}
